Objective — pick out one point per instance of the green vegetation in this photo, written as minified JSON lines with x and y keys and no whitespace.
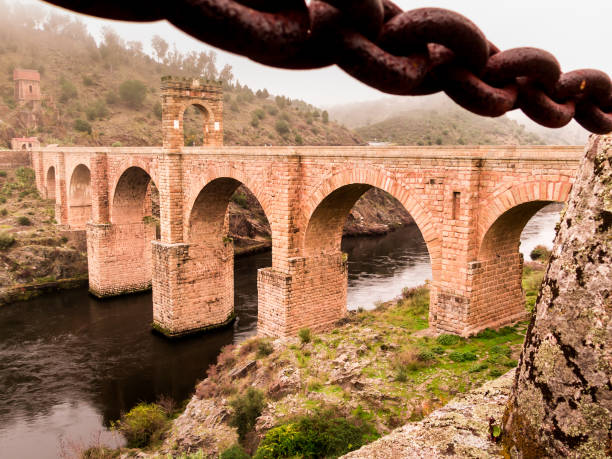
{"x":264,"y":348}
{"x":246,"y":410}
{"x":234,"y":452}
{"x":324,"y":434}
{"x":82,"y":126}
{"x":305,"y":335}
{"x":240,"y":199}
{"x":24,"y":221}
{"x":540,"y":253}
{"x":133,"y":93}
{"x":6,"y":240}
{"x":143,"y":425}
{"x":282,"y":127}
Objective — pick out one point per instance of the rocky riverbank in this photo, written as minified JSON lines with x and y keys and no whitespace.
{"x":376,"y":371}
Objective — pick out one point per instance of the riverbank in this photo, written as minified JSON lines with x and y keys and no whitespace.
{"x":377,"y":371}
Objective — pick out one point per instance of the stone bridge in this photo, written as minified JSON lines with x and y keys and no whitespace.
{"x":470,"y":204}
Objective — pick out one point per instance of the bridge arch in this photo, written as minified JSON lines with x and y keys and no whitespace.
{"x":328,"y":206}
{"x":131,"y":196}
{"x":50,"y":183}
{"x":79,"y":197}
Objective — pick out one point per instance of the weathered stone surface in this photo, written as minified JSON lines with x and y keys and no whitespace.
{"x":459,"y":429}
{"x":561,"y":404}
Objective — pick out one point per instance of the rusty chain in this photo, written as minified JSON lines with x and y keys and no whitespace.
{"x":417,"y":52}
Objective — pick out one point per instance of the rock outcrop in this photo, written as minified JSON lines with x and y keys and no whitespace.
{"x":561,"y":402}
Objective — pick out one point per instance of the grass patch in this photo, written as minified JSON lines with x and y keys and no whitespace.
{"x":143,"y":425}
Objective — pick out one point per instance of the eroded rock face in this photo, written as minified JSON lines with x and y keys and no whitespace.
{"x":561,"y":402}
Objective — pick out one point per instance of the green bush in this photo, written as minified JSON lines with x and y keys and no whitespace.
{"x":24,"y":221}
{"x":96,"y":110}
{"x":501,"y":350}
{"x":255,"y":122}
{"x":495,"y":373}
{"x":324,"y":434}
{"x":67,"y":90}
{"x":88,"y":81}
{"x":437,"y":350}
{"x":325,"y":116}
{"x":157,"y":110}
{"x":234,"y":452}
{"x":259,"y":114}
{"x":82,"y":126}
{"x":305,"y":335}
{"x":540,"y":252}
{"x":2,"y":173}
{"x":282,"y":127}
{"x":4,"y":212}
{"x":448,"y":340}
{"x":426,"y":355}
{"x":133,"y":93}
{"x":264,"y":348}
{"x":240,"y":199}
{"x":478,"y":367}
{"x":462,"y":356}
{"x":142,"y":425}
{"x":272,"y":110}
{"x":246,"y":409}
{"x":25,"y":176}
{"x":299,"y":140}
{"x":6,"y":240}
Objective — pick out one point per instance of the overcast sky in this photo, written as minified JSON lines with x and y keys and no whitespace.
{"x":578,"y":33}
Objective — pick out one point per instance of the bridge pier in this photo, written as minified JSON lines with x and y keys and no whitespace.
{"x":310,"y":294}
{"x":193,"y":288}
{"x":119,"y":258}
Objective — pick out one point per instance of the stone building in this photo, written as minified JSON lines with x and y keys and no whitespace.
{"x":27,"y":86}
{"x":24,"y":143}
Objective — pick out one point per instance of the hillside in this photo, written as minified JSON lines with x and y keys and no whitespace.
{"x":435,"y":119}
{"x":84,"y":103}
{"x":448,"y":127}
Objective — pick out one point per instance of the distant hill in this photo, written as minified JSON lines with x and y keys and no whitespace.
{"x":83,"y":103}
{"x":436,"y":119}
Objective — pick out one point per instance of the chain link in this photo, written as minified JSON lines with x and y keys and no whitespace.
{"x":417,"y":52}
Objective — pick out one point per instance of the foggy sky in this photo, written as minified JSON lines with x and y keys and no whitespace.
{"x":576,"y":32}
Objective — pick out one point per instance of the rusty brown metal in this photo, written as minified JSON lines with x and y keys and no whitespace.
{"x":422,"y":51}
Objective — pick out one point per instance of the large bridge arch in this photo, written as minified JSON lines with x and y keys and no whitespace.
{"x":50,"y":183}
{"x":497,"y":297}
{"x":79,"y":197}
{"x":341,"y":191}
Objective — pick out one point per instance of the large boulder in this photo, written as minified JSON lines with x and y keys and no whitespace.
{"x":561,"y":401}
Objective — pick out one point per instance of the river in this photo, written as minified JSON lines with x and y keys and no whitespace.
{"x":70,"y":364}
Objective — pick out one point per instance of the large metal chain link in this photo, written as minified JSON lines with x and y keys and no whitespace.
{"x":417,"y":52}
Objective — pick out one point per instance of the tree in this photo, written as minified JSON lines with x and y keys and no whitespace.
{"x":325,"y":116}
{"x":160,"y":46}
{"x":226,"y":75}
{"x":133,"y":92}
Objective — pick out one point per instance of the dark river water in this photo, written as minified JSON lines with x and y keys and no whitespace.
{"x":69,"y":364}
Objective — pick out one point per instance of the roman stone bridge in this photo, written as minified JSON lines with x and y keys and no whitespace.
{"x":470,"y":204}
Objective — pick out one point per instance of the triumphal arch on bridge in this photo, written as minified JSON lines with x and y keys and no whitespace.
{"x":469,"y":202}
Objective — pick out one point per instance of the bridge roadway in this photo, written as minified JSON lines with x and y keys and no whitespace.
{"x":469,"y":202}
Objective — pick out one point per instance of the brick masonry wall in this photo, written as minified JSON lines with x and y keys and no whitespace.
{"x":457,"y":196}
{"x":119,"y":258}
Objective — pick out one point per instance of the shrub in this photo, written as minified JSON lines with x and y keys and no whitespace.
{"x":264,"y":348}
{"x":462,"y":356}
{"x":111,"y":98}
{"x":24,"y":221}
{"x":282,"y":127}
{"x":325,"y":434}
{"x":448,"y":340}
{"x":255,"y":122}
{"x":272,"y":110}
{"x":495,"y":373}
{"x":259,"y":114}
{"x":2,"y":173}
{"x":478,"y":367}
{"x":87,"y":81}
{"x":157,"y":110}
{"x":67,"y":90}
{"x":437,"y":350}
{"x":234,"y":452}
{"x":305,"y":335}
{"x":501,"y":350}
{"x":6,"y":240}
{"x":96,"y":110}
{"x":116,"y":144}
{"x":25,"y":176}
{"x":299,"y":140}
{"x":226,"y":357}
{"x":325,"y":116}
{"x":82,"y":126}
{"x":133,"y":93}
{"x":405,"y":362}
{"x":540,"y":252}
{"x":240,"y":199}
{"x":142,"y":425}
{"x":246,"y":410}
{"x":426,"y":356}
